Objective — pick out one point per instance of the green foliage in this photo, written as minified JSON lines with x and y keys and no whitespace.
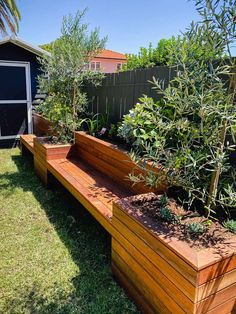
{"x":163,"y":200}
{"x":9,"y":16}
{"x":140,"y":124}
{"x":166,"y":51}
{"x":166,"y":214}
{"x":64,"y":128}
{"x":95,"y":123}
{"x":195,"y":228}
{"x":149,"y":57}
{"x":189,"y":132}
{"x":230,"y":225}
{"x":48,"y":47}
{"x":113,"y":130}
{"x":64,"y":73}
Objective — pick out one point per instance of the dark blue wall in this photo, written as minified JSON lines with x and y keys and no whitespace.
{"x":12,"y":52}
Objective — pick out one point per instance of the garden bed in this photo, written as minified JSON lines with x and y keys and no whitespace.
{"x":172,"y":274}
{"x":41,"y":125}
{"x":111,"y":159}
{"x":44,"y":152}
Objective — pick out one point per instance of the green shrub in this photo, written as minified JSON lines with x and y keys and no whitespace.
{"x":140,"y":124}
{"x":166,"y":214}
{"x":163,"y":200}
{"x":163,"y":53}
{"x":195,"y":228}
{"x":64,"y":73}
{"x":230,"y":225}
{"x":189,"y":133}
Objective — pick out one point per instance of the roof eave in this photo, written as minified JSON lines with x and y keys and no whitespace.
{"x":23,"y":44}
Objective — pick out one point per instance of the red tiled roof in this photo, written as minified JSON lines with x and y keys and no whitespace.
{"x":109,"y":54}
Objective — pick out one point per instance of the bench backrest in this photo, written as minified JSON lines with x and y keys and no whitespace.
{"x":110,"y":160}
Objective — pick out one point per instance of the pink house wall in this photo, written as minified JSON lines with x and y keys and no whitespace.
{"x":108,"y":65}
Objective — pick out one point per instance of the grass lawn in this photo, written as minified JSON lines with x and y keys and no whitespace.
{"x":54,"y":257}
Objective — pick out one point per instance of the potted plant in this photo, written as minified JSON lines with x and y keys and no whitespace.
{"x":179,"y":250}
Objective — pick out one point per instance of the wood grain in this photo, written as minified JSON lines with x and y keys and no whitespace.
{"x":148,"y":254}
{"x":162,"y":274}
{"x":112,"y":161}
{"x":132,"y":290}
{"x":41,"y":126}
{"x":27,"y":142}
{"x":149,"y":287}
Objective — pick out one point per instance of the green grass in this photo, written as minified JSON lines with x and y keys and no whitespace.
{"x":54,"y":257}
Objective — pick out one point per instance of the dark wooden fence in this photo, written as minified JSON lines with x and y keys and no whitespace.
{"x":119,"y":92}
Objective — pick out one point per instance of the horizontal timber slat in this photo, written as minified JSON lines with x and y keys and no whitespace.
{"x":155,"y":261}
{"x":156,"y":245}
{"x":149,"y":249}
{"x":27,"y":140}
{"x":132,"y":290}
{"x":159,"y":276}
{"x":112,"y":161}
{"x":153,"y":269}
{"x":153,"y":292}
{"x":79,"y":191}
{"x":215,"y":301}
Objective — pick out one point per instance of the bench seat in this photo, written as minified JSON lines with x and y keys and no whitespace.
{"x":89,"y":186}
{"x":27,"y":141}
{"x":93,"y":171}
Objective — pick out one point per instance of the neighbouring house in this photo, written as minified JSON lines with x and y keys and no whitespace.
{"x":19,"y":68}
{"x":107,"y":61}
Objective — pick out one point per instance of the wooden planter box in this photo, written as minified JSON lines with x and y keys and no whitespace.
{"x":44,"y":152}
{"x":41,"y":126}
{"x":113,"y":161}
{"x":164,"y":274}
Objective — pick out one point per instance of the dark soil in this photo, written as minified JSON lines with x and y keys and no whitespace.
{"x":121,"y":144}
{"x":147,"y":209}
{"x":52,"y":140}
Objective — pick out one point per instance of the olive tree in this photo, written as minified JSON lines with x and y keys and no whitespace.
{"x":64,"y":73}
{"x":194,"y":123}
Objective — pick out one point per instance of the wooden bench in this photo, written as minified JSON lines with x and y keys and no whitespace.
{"x":27,"y":144}
{"x":96,"y":174}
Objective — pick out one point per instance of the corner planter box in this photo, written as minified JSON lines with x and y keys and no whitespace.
{"x":44,"y":152}
{"x":164,"y":274}
{"x":111,"y":160}
{"x":41,"y":126}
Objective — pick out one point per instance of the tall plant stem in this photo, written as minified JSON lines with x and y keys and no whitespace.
{"x":216,"y":174}
{"x":74,"y":111}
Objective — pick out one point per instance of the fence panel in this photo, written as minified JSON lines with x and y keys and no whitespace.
{"x":119,"y":92}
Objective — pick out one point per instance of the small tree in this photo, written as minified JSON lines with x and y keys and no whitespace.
{"x":195,"y":120}
{"x":65,"y":73}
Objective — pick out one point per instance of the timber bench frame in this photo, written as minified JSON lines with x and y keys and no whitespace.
{"x":27,"y":144}
{"x":93,"y":171}
{"x":162,"y":274}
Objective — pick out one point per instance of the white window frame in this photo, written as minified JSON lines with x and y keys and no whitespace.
{"x":90,"y":65}
{"x":95,"y":65}
{"x":98,"y":62}
{"x":28,"y":99}
{"x":119,"y":63}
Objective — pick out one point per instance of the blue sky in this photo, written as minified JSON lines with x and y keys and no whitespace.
{"x":128,"y":24}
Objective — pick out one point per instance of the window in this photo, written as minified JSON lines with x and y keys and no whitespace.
{"x":92,"y":66}
{"x":119,"y":66}
{"x":95,"y":66}
{"x":98,"y":66}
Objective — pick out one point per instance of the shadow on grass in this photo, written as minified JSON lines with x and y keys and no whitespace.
{"x":87,"y":242}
